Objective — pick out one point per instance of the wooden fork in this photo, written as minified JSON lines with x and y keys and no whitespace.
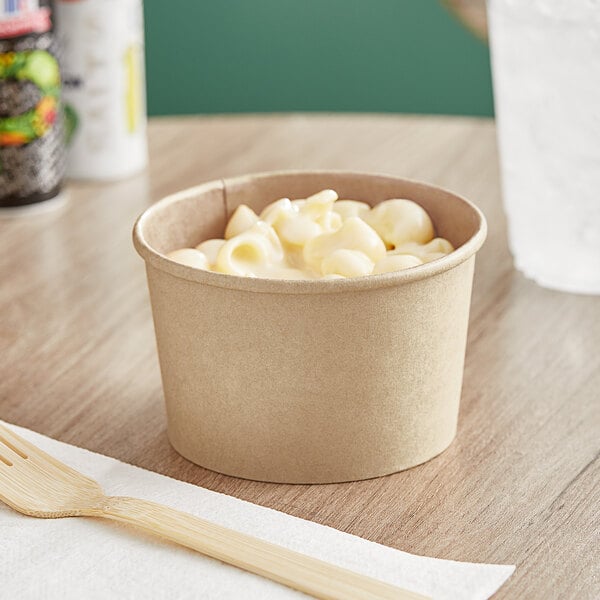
{"x":35,"y":484}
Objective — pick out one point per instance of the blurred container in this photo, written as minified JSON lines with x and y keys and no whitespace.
{"x":32,"y":152}
{"x":546,"y":68}
{"x":104,"y":86}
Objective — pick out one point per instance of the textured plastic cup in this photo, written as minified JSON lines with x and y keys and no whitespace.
{"x":546,"y":68}
{"x":313,"y":381}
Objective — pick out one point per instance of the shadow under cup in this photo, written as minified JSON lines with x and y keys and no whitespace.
{"x":314,"y":381}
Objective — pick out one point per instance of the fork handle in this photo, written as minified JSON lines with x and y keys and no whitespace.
{"x":298,"y":571}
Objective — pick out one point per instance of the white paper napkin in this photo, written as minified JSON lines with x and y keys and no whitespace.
{"x":97,"y":559}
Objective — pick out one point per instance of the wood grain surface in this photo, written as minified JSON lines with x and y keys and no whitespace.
{"x":521,"y":483}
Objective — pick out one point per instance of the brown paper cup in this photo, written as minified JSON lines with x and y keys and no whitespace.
{"x":309,"y":381}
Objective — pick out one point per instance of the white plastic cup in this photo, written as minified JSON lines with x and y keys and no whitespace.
{"x":546,"y":71}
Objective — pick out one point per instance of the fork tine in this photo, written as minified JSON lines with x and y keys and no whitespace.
{"x":26,"y":449}
{"x":11,"y":446}
{"x":15,"y":442}
{"x":35,"y":454}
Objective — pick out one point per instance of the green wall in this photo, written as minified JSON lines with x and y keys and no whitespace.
{"x":207,"y":56}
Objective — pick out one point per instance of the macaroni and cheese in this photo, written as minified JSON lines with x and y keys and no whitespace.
{"x":320,"y":237}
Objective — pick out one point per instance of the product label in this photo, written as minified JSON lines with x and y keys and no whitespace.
{"x":32,"y":152}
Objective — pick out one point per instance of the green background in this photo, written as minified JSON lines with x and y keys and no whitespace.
{"x":207,"y":56}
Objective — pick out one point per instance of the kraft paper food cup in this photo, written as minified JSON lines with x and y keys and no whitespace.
{"x":314,"y":381}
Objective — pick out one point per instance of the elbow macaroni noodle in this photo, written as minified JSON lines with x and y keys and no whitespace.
{"x":320,"y":237}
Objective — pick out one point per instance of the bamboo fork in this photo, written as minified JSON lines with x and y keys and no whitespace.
{"x":35,"y":484}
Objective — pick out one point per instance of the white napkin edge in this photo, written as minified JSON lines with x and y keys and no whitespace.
{"x":497,"y":574}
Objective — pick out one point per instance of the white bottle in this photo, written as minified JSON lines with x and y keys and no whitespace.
{"x":104,"y":86}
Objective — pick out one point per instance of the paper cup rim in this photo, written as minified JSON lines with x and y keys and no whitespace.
{"x":302,"y":286}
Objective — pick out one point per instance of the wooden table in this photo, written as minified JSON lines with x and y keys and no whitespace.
{"x":521,"y":482}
